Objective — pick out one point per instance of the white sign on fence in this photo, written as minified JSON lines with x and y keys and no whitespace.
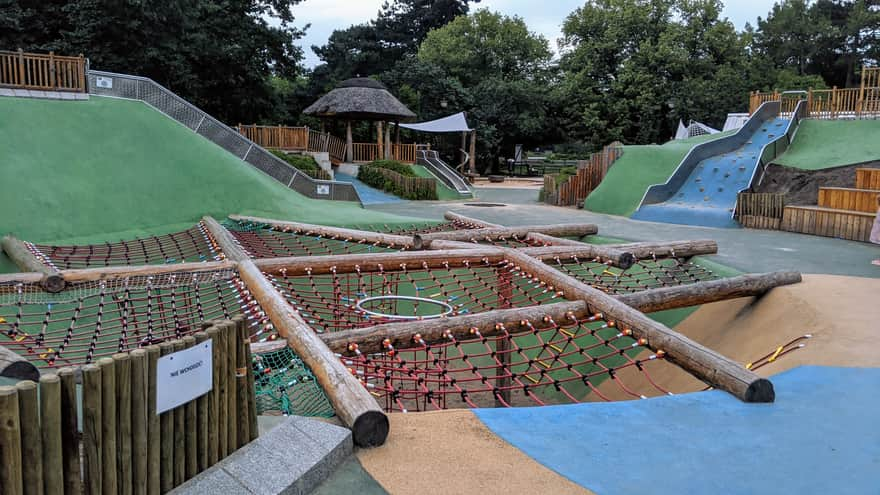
{"x":323,"y":189}
{"x":104,"y":82}
{"x":183,"y":376}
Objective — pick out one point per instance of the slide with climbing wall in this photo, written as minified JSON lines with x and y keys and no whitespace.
{"x":703,"y":189}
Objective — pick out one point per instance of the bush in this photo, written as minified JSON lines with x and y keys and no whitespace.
{"x":398,"y":179}
{"x":400,"y":168}
{"x":304,"y":163}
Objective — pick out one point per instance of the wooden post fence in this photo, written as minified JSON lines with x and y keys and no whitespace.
{"x":575,"y":189}
{"x":123,"y":446}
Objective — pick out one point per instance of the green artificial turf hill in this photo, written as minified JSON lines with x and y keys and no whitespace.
{"x":640,"y":167}
{"x":106,"y":169}
{"x":822,"y":144}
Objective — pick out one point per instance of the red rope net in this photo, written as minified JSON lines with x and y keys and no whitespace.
{"x":571,"y":361}
{"x":193,"y":244}
{"x":329,"y":302}
{"x":643,"y":275}
{"x":95,"y":319}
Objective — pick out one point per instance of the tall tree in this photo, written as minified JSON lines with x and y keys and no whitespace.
{"x":218,"y":54}
{"x":374,"y":47}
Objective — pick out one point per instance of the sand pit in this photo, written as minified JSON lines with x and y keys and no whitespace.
{"x":454,"y":452}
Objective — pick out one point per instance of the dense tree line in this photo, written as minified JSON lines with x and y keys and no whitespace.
{"x":626,"y":69}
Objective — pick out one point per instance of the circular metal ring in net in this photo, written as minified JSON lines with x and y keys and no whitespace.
{"x":447,"y":308}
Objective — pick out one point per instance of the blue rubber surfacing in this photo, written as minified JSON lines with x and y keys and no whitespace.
{"x":708,"y":196}
{"x":368,"y":195}
{"x":820,"y":436}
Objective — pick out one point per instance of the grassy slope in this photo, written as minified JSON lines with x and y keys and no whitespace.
{"x":87,"y":170}
{"x":637,"y":169}
{"x":444,"y":192}
{"x":822,"y":144}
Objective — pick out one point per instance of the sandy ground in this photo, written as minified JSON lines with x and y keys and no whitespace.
{"x":841,"y":314}
{"x":448,"y":452}
{"x":453,"y":452}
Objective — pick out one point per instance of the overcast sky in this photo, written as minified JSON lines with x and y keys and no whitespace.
{"x":544,"y":17}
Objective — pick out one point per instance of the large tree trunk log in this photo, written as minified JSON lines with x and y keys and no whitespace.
{"x":18,"y":252}
{"x":706,"y":364}
{"x":679,"y":296}
{"x":351,"y":401}
{"x":423,"y":241}
{"x":461,"y":219}
{"x":391,"y":240}
{"x":370,"y":339}
{"x":14,"y":366}
{"x":349,"y":263}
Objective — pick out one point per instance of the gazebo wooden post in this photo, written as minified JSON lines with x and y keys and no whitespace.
{"x":389,"y":150}
{"x":349,"y":148}
{"x":397,"y":132}
{"x":463,"y":150}
{"x":379,"y":140}
{"x":473,"y":153}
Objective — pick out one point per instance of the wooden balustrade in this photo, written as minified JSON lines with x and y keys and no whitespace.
{"x":834,"y":103}
{"x":405,"y":153}
{"x":305,"y":139}
{"x":42,"y":72}
{"x":365,"y":152}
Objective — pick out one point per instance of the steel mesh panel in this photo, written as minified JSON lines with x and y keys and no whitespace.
{"x":273,"y":167}
{"x":223,"y":137}
{"x":170,"y":105}
{"x":122,"y":87}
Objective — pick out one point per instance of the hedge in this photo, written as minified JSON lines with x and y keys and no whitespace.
{"x":398,"y":179}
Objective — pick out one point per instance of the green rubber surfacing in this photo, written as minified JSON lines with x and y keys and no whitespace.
{"x":821,"y":144}
{"x":106,"y":168}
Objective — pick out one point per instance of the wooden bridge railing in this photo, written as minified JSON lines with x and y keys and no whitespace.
{"x":124,"y":446}
{"x":42,"y":72}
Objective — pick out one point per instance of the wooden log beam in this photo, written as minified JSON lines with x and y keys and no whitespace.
{"x":120,"y":272}
{"x":677,"y":249}
{"x":351,"y":401}
{"x":680,"y":296}
{"x":369,"y":340}
{"x":423,"y":241}
{"x":459,"y":218}
{"x":14,"y":366}
{"x":391,"y":240}
{"x":18,"y":252}
{"x":549,"y":240}
{"x":624,"y":255}
{"x":713,"y":368}
{"x":349,"y":263}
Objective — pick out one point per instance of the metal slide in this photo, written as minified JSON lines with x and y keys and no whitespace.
{"x":431,"y":160}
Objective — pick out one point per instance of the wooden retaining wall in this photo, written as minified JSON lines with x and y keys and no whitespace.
{"x":868,"y":178}
{"x":575,"y":189}
{"x":760,"y":210}
{"x":845,"y":198}
{"x":817,"y":220}
{"x":124,"y":446}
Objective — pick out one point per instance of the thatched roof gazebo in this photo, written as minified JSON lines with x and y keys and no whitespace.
{"x":361,"y":98}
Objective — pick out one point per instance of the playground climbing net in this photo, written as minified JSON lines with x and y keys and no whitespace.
{"x":193,"y":244}
{"x":535,"y":363}
{"x":644,"y":274}
{"x":330,"y":302}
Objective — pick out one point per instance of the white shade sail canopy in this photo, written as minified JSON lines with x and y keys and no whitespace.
{"x":452,"y":123}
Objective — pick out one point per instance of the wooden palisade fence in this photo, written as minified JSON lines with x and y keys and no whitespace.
{"x":124,"y":446}
{"x":42,"y":71}
{"x":834,"y":103}
{"x":760,"y":210}
{"x":405,"y":187}
{"x":575,"y":189}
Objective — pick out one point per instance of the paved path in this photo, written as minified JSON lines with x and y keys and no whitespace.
{"x":369,"y":195}
{"x":744,"y":249}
